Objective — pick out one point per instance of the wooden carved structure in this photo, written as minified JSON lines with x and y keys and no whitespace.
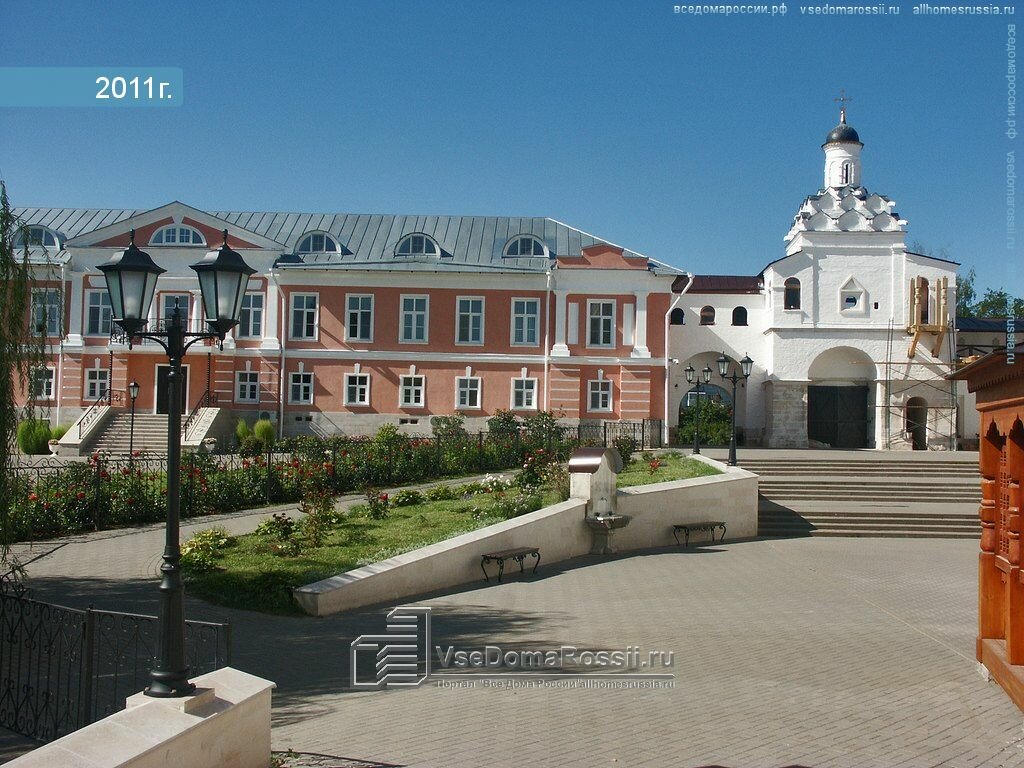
{"x":999,"y":387}
{"x":928,"y":316}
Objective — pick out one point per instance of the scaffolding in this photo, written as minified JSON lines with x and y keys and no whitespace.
{"x":912,"y":377}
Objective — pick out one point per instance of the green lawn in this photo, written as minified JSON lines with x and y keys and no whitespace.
{"x":251,"y":573}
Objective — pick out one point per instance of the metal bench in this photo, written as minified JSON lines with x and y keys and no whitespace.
{"x":518,"y":555}
{"x":709,"y":525}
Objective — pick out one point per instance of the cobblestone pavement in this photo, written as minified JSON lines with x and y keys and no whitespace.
{"x":809,"y":652}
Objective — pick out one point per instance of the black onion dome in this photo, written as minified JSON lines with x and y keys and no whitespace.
{"x":843,"y":133}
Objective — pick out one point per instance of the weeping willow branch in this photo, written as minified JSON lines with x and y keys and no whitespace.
{"x":22,"y":353}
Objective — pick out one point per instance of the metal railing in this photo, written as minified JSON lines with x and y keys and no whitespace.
{"x":63,"y":668}
{"x":206,"y":400}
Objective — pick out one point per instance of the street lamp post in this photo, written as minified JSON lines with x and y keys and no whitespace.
{"x":723,"y":370}
{"x":133,"y":392}
{"x":706,"y":375}
{"x":131,"y":281}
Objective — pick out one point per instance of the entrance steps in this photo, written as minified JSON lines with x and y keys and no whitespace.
{"x":150,"y":434}
{"x":887,"y":496}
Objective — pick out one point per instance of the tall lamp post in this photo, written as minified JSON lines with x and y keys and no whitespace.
{"x":131,"y":281}
{"x":723,"y":370}
{"x":706,"y":375}
{"x":133,"y":392}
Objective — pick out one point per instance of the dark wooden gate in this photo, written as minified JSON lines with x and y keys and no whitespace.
{"x":838,"y":416}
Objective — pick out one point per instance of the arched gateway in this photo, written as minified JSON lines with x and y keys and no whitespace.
{"x":839,"y":398}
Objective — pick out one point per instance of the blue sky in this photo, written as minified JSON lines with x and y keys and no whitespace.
{"x":692,"y":139}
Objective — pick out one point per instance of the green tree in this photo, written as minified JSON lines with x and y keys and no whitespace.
{"x":22,"y":353}
{"x":999,"y":304}
{"x":965,"y":294}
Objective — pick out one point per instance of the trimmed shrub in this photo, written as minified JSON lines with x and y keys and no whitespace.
{"x":34,"y":436}
{"x":242,"y":431}
{"x":56,"y":433}
{"x":263,"y":430}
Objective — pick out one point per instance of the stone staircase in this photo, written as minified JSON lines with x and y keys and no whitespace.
{"x":877,"y":495}
{"x":150,"y":434}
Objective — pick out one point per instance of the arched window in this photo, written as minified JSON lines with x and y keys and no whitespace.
{"x":37,"y":236}
{"x":678,"y":317}
{"x":524,"y":245}
{"x":791,"y":293}
{"x":845,"y":176}
{"x":318,"y":242}
{"x":417,"y":245}
{"x":739,"y":316}
{"x":707,"y":316}
{"x":177,"y":235}
{"x":924,"y":300}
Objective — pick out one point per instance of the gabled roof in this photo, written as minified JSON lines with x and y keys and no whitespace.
{"x":468,"y":243}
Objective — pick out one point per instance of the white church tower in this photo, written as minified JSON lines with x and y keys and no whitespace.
{"x":842,"y":155}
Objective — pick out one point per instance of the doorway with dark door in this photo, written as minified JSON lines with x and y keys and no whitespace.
{"x":917,"y":423}
{"x":163,"y":400}
{"x":838,"y":416}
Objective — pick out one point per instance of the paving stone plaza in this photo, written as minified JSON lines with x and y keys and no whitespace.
{"x":811,"y":652}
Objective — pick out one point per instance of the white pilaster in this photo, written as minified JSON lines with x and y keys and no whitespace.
{"x":271,"y":318}
{"x":560,"y":349}
{"x":640,"y":333}
{"x":77,"y":290}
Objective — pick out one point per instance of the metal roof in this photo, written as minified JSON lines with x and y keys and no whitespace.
{"x":982,"y":324}
{"x":368,"y":241}
{"x":721,"y":284}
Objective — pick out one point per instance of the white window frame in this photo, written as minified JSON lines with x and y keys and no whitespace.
{"x":100,"y":309}
{"x":294,"y":378}
{"x":591,"y":390}
{"x":591,"y":303}
{"x":177,"y":242}
{"x":44,"y":233}
{"x":291,"y":317}
{"x":52,"y":310}
{"x":532,"y":390}
{"x":317,"y":233}
{"x":368,"y":337}
{"x":458,"y":317}
{"x":413,"y":253}
{"x":518,"y":243}
{"x":402,"y":312}
{"x":93,"y":377}
{"x":239,"y":398}
{"x":458,"y":393}
{"x":365,"y":401}
{"x":48,"y":381}
{"x":525,"y":315}
{"x":244,"y":330}
{"x":405,"y":385}
{"x":186,"y":305}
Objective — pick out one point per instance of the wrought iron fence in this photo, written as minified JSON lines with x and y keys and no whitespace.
{"x":63,"y":668}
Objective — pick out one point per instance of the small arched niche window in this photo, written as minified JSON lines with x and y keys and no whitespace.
{"x":417,"y":245}
{"x":37,"y":236}
{"x":678,"y":317}
{"x":845,"y":173}
{"x":924,"y":300}
{"x":791,"y":294}
{"x":524,"y":245}
{"x":739,"y":316}
{"x":318,"y":242}
{"x":177,"y":234}
{"x":707,"y":316}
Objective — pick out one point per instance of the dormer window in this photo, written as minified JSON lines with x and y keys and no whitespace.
{"x":37,"y":236}
{"x":318,"y":242}
{"x":525,"y":245}
{"x":177,"y":235}
{"x":417,"y":245}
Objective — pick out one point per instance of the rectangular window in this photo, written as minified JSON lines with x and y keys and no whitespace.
{"x":467,"y":392}
{"x":247,"y":387}
{"x":411,"y":392}
{"x":46,"y":311}
{"x":525,"y":319}
{"x":250,"y":322}
{"x":167,"y":303}
{"x":600,"y":398}
{"x":601,"y":324}
{"x":524,"y":394}
{"x":42,"y":384}
{"x":359,"y":323}
{"x":96,"y":380}
{"x":469,"y":324}
{"x":98,"y":321}
{"x":414,"y":320}
{"x":304,"y":316}
{"x":300,"y":388}
{"x":357,"y":389}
